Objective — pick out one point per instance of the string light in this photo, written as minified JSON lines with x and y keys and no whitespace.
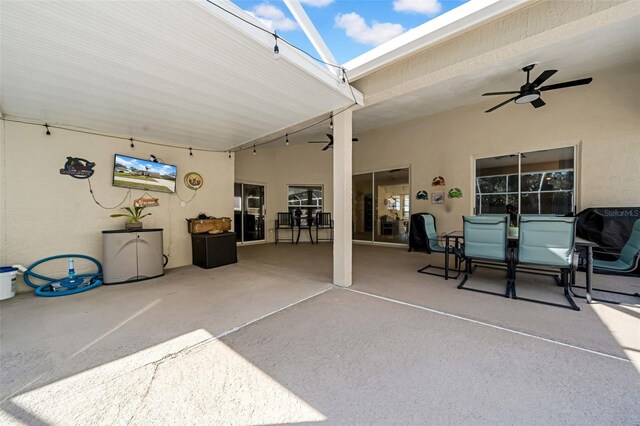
{"x":229,"y":154}
{"x":343,"y":80}
{"x":287,"y":139}
{"x":331,"y":122}
{"x":254,"y":149}
{"x":47,"y":127}
{"x":276,"y":49}
{"x":190,"y":152}
{"x":132,"y":145}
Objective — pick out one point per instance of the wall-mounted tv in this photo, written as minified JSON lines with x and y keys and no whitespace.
{"x":129,"y":172}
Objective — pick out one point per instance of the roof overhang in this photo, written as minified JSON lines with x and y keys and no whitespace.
{"x":185,"y":72}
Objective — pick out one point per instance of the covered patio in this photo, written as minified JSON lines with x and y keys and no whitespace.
{"x":270,"y":340}
{"x":335,"y":333}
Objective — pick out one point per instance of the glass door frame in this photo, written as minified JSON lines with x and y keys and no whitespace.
{"x":238,"y":227}
{"x":373,"y":172}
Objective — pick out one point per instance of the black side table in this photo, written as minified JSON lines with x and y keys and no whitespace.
{"x":213,"y":250}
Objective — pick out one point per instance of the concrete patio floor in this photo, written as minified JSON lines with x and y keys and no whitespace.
{"x":269,"y":340}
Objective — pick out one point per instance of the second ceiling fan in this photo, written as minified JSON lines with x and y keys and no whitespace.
{"x":330,"y":141}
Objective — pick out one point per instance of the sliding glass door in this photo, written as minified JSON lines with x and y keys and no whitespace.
{"x":381,"y":206}
{"x":537,"y":182}
{"x":249,"y":212}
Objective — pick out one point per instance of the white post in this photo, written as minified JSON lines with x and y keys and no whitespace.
{"x":342,"y":166}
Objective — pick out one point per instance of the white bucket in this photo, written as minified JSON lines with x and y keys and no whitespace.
{"x":7,"y":282}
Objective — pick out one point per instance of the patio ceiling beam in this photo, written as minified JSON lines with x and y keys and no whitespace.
{"x":312,"y":34}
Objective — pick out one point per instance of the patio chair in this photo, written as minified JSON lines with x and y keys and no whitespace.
{"x":550,"y":242}
{"x":284,"y":222}
{"x":627,"y":262}
{"x":433,"y":246}
{"x":324,"y":221}
{"x":485,"y":239}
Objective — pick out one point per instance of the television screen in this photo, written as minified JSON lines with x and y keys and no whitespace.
{"x":129,"y":172}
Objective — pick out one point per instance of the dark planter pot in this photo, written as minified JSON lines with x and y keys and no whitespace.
{"x":133,"y":226}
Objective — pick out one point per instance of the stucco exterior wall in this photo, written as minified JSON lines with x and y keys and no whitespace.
{"x":48,"y":214}
{"x":304,"y":164}
{"x":603,"y":119}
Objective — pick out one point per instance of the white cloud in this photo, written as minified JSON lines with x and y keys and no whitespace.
{"x":317,"y":3}
{"x":426,"y":7}
{"x":357,"y":29}
{"x":272,"y":17}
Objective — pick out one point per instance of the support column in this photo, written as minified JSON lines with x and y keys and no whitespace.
{"x":342,"y":201}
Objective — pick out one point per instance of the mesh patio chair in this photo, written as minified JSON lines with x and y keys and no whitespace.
{"x":433,"y":246}
{"x":550,"y":242}
{"x":627,"y":262}
{"x":485,"y":239}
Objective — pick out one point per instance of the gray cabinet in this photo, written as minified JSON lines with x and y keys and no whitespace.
{"x":130,"y":256}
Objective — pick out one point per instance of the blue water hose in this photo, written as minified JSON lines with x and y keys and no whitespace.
{"x":73,"y":281}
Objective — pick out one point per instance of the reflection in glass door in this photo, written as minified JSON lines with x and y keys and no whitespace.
{"x":249,"y":211}
{"x":381,"y":206}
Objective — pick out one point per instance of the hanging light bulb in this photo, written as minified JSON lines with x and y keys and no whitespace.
{"x":254,"y":150}
{"x":287,"y":139}
{"x":190,"y":152}
{"x":47,"y":127}
{"x":343,"y":80}
{"x":331,"y":122}
{"x":229,"y":154}
{"x":132,"y":145}
{"x":276,"y":49}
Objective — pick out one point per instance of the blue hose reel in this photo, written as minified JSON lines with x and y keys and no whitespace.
{"x":72,"y":284}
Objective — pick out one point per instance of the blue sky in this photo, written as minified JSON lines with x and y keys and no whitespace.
{"x":162,"y":169}
{"x":349,"y":27}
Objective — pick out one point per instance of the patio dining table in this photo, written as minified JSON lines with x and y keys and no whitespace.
{"x":457,"y":236}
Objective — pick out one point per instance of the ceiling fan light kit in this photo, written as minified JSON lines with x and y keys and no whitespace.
{"x":529,"y":92}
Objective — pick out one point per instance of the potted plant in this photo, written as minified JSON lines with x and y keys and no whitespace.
{"x":134,"y":214}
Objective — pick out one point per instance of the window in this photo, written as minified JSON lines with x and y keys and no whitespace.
{"x":308,"y":198}
{"x":540,"y":182}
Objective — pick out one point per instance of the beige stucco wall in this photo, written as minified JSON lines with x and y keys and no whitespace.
{"x":603,"y":119}
{"x":289,"y":165}
{"x":49,"y":214}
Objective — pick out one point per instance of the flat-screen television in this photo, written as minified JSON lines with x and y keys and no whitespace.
{"x":129,"y":172}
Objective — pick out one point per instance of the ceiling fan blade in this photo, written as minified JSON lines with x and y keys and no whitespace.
{"x":501,"y":104}
{"x":566,"y":84}
{"x":538,"y":103}
{"x":329,"y":145}
{"x":543,"y":77}
{"x":499,"y":93}
{"x":330,"y":136}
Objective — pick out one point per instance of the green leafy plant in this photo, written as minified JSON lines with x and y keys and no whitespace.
{"x":134,"y":214}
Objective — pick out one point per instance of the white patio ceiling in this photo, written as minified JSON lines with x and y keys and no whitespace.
{"x":181,"y":72}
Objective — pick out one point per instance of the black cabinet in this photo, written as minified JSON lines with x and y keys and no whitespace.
{"x":211,"y":250}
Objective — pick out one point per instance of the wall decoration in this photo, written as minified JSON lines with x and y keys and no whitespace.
{"x":78,"y":168}
{"x":193,"y":180}
{"x":146,"y":202}
{"x":422,"y":195}
{"x":455,"y":193}
{"x":437,"y":198}
{"x":438,"y":181}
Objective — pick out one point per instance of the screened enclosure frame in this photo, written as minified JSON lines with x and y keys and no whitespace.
{"x":476,"y":201}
